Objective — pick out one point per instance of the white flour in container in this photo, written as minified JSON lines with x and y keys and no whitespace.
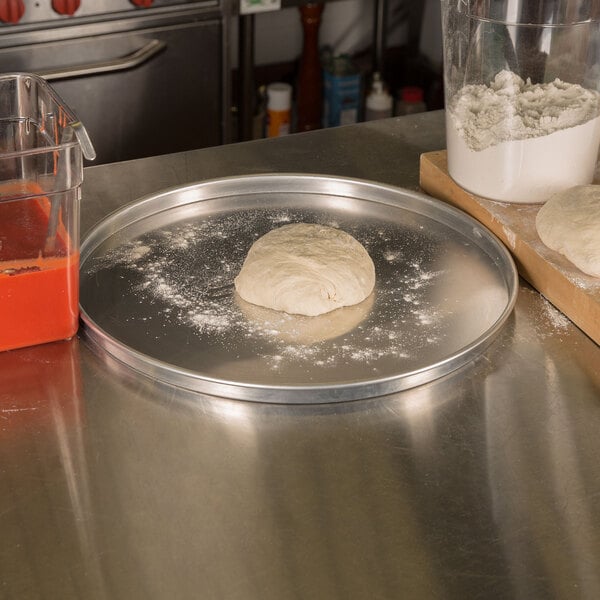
{"x":515,"y":141}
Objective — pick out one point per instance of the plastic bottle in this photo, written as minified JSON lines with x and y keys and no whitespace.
{"x":410,"y":101}
{"x":379,"y":102}
{"x":279,"y":109}
{"x":341,"y":89}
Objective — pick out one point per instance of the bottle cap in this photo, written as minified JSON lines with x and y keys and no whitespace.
{"x":280,"y":96}
{"x":411,"y":93}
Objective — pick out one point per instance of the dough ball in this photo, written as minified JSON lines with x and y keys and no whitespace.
{"x":570,"y":224}
{"x":306,"y":269}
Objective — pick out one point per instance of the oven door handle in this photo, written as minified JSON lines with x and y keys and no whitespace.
{"x":141,"y":55}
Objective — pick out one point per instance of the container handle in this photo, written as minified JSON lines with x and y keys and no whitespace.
{"x":123,"y":63}
{"x":83,"y":138}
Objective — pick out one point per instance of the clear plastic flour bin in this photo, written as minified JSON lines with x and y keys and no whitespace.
{"x":521,"y":84}
{"x":42,"y":145}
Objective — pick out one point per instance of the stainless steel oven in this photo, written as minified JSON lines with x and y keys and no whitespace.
{"x":146,"y":77}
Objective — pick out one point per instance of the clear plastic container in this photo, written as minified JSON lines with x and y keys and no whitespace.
{"x":522,"y":103}
{"x":41,"y":170}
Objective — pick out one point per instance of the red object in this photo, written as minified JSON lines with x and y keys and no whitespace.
{"x":411,"y":93}
{"x":39,"y":294}
{"x":142,"y":3}
{"x":65,"y":7}
{"x":11,"y":11}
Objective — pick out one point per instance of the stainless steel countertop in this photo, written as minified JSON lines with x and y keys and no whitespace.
{"x":482,"y":484}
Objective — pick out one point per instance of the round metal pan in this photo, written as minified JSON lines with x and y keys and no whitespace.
{"x":157,"y":290}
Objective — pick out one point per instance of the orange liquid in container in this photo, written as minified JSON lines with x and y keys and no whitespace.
{"x":39,"y":289}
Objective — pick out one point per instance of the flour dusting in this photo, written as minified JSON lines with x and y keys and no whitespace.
{"x":555,"y":317}
{"x":185,"y":273}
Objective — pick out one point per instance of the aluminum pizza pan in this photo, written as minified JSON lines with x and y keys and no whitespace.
{"x":157,"y":290}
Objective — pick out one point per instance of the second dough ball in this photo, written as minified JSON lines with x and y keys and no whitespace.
{"x":306,"y":269}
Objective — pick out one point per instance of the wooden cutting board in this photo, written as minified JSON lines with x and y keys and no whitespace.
{"x":573,"y":292}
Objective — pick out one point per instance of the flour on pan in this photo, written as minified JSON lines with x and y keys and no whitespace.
{"x":184,"y":272}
